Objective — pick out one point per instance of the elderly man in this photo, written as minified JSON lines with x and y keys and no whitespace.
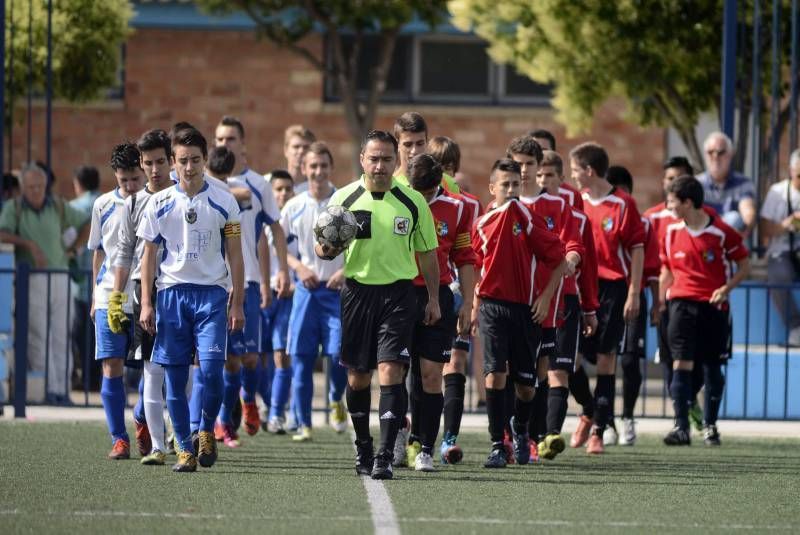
{"x":36,"y":225}
{"x":728,"y":192}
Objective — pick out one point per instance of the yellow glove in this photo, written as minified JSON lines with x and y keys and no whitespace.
{"x":118,"y":321}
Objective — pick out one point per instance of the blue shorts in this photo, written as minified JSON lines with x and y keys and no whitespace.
{"x":247,"y":340}
{"x":275,"y":324}
{"x":315,"y":321}
{"x":108,"y":344}
{"x":190,"y":316}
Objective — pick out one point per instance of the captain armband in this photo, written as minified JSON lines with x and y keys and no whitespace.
{"x":232,"y":230}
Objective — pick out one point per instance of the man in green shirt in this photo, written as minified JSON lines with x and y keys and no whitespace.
{"x":35,"y":225}
{"x":395,"y":230}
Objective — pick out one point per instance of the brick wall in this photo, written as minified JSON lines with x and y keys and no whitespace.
{"x":199,"y":76}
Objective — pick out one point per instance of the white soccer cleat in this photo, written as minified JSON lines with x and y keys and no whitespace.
{"x":423,"y":462}
{"x":610,"y":437}
{"x":628,"y":436}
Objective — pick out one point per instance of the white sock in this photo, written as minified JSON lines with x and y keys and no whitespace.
{"x":154,"y":403}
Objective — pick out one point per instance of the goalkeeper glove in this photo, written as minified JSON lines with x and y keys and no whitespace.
{"x":118,"y":321}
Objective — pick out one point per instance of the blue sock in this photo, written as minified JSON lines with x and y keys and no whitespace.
{"x":338,"y":378}
{"x":213,"y":385}
{"x":232,"y":382}
{"x":303,"y":387}
{"x":112,"y":393}
{"x":196,"y":403}
{"x":249,"y":384}
{"x":280,"y":391}
{"x":138,"y":409}
{"x":176,"y":379}
{"x":266,"y":372}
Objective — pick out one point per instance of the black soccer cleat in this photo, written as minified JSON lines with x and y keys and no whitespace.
{"x":678,"y":437}
{"x":382,"y":468}
{"x":711,"y":436}
{"x":365,"y":457}
{"x":496,"y":459}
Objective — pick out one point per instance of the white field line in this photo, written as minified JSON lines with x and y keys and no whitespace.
{"x":384,"y":518}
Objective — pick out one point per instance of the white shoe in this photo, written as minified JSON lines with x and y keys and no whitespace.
{"x":276,"y":425}
{"x":628,"y":436}
{"x":400,"y":444}
{"x":610,"y":437}
{"x":423,"y":462}
{"x":338,"y":416}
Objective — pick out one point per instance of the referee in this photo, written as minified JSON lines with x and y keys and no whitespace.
{"x":395,"y":228}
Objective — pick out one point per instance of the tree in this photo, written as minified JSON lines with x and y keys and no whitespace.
{"x":661,"y":57}
{"x":87,"y":37}
{"x":344,"y":23}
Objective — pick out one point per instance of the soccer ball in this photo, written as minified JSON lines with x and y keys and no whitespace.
{"x":335,"y":227}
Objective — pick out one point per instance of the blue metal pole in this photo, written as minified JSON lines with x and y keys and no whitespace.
{"x":728,"y":104}
{"x":775,"y":146}
{"x":49,"y":115}
{"x":21,"y":339}
{"x":30,"y":76}
{"x":755,"y":131}
{"x":3,"y":79}
{"x":10,"y":83}
{"x":794,"y":74}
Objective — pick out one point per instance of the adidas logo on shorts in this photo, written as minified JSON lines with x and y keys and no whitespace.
{"x":388,"y":415}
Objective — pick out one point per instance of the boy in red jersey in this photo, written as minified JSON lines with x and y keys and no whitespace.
{"x":697,"y":256}
{"x":430,"y":349}
{"x":619,"y":241}
{"x":512,"y":248}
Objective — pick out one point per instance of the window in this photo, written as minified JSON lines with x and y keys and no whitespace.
{"x":452,"y":68}
{"x":398,"y":83}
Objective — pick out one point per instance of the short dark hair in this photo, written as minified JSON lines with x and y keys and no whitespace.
{"x":177,"y":127}
{"x":229,"y":120}
{"x":280,"y":174}
{"x":506,"y":164}
{"x":381,"y":136}
{"x":687,"y":187}
{"x":88,"y":177}
{"x":319,"y":148}
{"x":552,"y":158}
{"x":155,"y":139}
{"x":190,"y":137}
{"x":679,"y":162}
{"x":446,"y":151}
{"x":544,"y":134}
{"x":618,"y":175}
{"x":525,"y":145}
{"x":221,"y":162}
{"x":591,"y":154}
{"x":424,"y":172}
{"x":125,"y":156}
{"x":410,"y":121}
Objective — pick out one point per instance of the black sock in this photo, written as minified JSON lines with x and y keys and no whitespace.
{"x":415,"y":401}
{"x":522,"y":415}
{"x":681,"y":391}
{"x":495,"y":410}
{"x":556,"y":408}
{"x":698,"y":378}
{"x":508,"y":411}
{"x":454,"y":387}
{"x":603,"y":401}
{"x":431,"y":416}
{"x":358,"y":402}
{"x":715,"y":385}
{"x":392,"y":415}
{"x":579,"y":387}
{"x":537,"y":425}
{"x":631,"y":383}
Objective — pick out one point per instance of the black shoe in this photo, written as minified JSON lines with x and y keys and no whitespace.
{"x":496,"y":459}
{"x":711,"y":436}
{"x":678,"y":437}
{"x":365,"y":457}
{"x":382,"y":468}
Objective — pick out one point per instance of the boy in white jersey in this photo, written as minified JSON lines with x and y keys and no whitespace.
{"x":111,"y":347}
{"x":155,"y":149}
{"x":316,"y":317}
{"x":198,"y":227}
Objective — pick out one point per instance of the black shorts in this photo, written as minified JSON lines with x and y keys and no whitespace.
{"x":567,"y":336}
{"x":433,"y":342}
{"x":610,"y":320}
{"x":664,"y":354}
{"x":547,"y":347}
{"x":377,"y":323}
{"x":634,"y":336}
{"x":510,"y":339}
{"x":142,"y":347}
{"x":698,"y":331}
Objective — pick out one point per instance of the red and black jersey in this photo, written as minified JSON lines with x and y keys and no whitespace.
{"x":700,"y":260}
{"x":586,"y":278}
{"x":661,"y":217}
{"x":571,"y":195}
{"x":617,"y":230}
{"x":453,"y":222}
{"x":652,"y":261}
{"x":513,"y":247}
{"x":473,"y":204}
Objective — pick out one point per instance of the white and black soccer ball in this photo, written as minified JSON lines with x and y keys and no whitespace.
{"x":335,"y":227}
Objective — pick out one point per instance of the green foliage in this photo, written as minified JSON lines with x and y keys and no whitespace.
{"x":87,"y":36}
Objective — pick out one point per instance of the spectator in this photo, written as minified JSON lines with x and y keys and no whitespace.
{"x":86,"y":184}
{"x":780,"y":224}
{"x":36,"y":224}
{"x":728,"y":192}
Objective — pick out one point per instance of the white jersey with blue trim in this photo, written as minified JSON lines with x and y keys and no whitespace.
{"x":297,"y":219}
{"x":258,"y":211}
{"x":191,"y":231}
{"x":107,"y":218}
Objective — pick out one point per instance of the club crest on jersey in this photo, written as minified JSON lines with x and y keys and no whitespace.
{"x":608,"y":224}
{"x":191,"y":216}
{"x":516,"y":228}
{"x":708,"y":256}
{"x":401,"y":226}
{"x":550,"y":223}
{"x":441,"y":228}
